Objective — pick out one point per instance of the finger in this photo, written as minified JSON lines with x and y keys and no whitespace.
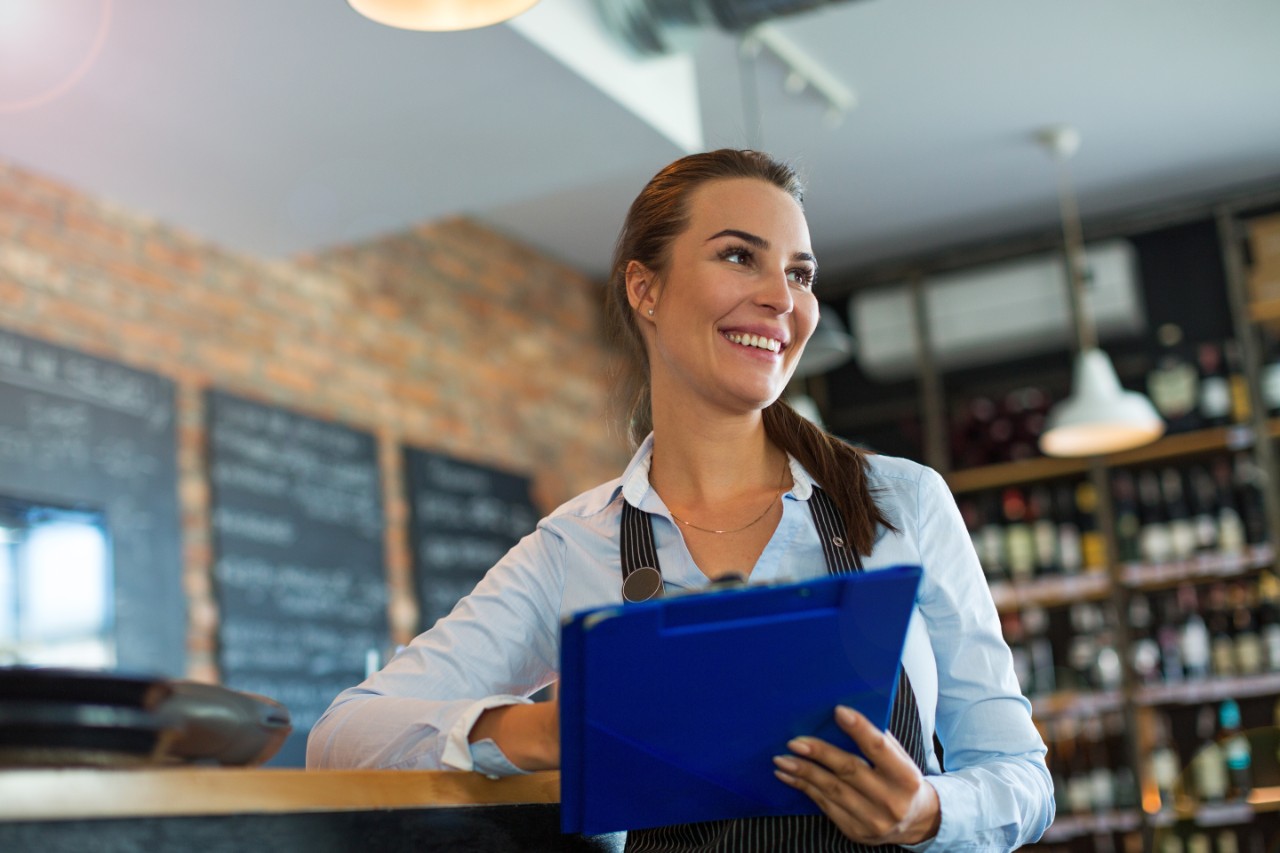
{"x":842,"y":803}
{"x":881,"y":748}
{"x":841,"y":762}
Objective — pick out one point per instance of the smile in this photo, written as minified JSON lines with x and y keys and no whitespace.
{"x":757,"y":341}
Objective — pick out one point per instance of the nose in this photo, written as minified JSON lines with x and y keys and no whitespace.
{"x":775,"y":293}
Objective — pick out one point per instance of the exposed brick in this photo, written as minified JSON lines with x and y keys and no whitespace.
{"x":448,"y":336}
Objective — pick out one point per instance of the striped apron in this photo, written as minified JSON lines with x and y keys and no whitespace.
{"x":793,"y":832}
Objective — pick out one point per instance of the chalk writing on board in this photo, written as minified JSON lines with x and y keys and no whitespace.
{"x":76,"y":430}
{"x":464,"y":517}
{"x":299,"y":566}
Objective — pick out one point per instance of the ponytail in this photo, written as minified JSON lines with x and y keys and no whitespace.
{"x":840,"y":468}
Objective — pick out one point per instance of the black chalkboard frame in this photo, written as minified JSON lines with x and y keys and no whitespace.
{"x":81,"y":431}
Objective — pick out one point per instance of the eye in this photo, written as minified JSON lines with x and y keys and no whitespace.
{"x":803,"y":276}
{"x":739,"y":255}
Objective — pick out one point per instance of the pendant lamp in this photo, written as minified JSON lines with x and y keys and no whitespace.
{"x":1100,"y":416}
{"x":440,"y":15}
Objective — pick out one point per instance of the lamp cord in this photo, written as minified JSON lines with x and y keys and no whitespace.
{"x":1073,"y":245}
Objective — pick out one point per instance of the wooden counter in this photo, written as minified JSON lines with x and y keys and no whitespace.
{"x":214,"y":809}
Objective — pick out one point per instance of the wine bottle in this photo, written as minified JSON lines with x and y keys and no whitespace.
{"x":1215,"y":388}
{"x":1198,"y":842}
{"x":1209,"y":766}
{"x":1182,"y":532}
{"x":1245,"y":477}
{"x":1011,"y":627}
{"x":1231,"y":531}
{"x":1237,"y":751}
{"x":1093,"y":548}
{"x":1079,"y":790}
{"x":1070,"y":552}
{"x":1241,"y":409}
{"x":1156,"y":542}
{"x":1035,"y":624}
{"x":1173,"y":384}
{"x":991,"y":540}
{"x":1082,"y":650}
{"x":1194,"y":642}
{"x":1163,"y":763}
{"x":1269,"y":618}
{"x":1128,"y":521}
{"x":1144,"y":649}
{"x":1169,"y":635}
{"x":1044,"y":529}
{"x":1019,"y":540}
{"x":1270,"y":378}
{"x":1249,"y":652}
{"x":1222,"y":652}
{"x":1204,"y":509}
{"x":1102,"y":790}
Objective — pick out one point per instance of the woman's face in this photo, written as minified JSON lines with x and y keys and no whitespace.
{"x":735,"y":305}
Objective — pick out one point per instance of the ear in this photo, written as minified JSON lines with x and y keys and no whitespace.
{"x":642,"y":287}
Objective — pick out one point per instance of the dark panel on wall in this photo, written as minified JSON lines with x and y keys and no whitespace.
{"x":463,"y":518}
{"x":78,"y":431}
{"x":298,"y":546}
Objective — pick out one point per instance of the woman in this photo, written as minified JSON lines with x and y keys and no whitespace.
{"x":712,"y":295}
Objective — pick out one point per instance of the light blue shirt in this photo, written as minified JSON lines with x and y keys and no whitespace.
{"x":501,"y":644}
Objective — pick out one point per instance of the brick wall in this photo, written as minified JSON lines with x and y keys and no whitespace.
{"x":449,"y":337}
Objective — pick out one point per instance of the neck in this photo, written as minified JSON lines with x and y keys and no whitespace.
{"x":701,"y":460}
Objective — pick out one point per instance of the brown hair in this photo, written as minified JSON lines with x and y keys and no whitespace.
{"x":658,"y":215}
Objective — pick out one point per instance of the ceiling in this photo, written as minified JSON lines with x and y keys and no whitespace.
{"x":290,"y":126}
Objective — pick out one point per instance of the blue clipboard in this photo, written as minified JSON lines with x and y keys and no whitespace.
{"x":671,"y":710}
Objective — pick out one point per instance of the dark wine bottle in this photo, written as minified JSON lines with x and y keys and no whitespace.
{"x":1215,"y":387}
{"x":1174,"y":383}
{"x":1157,"y":544}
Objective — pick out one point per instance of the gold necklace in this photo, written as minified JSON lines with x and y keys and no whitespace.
{"x":782,"y":485}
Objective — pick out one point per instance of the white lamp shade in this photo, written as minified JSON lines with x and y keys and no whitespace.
{"x":1100,"y":416}
{"x":440,"y":15}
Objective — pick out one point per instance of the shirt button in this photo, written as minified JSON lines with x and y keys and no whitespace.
{"x":837,"y":541}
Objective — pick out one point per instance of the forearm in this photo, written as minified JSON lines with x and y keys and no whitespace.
{"x":528,"y":735}
{"x":998,"y":805}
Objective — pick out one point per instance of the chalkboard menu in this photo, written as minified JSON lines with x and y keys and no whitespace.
{"x":78,"y":431}
{"x":463,"y":517}
{"x":298,"y":543}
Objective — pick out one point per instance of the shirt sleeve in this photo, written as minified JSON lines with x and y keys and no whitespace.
{"x":499,"y":645}
{"x":996,"y":792}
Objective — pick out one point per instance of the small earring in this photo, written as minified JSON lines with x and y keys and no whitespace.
{"x":650,"y":312}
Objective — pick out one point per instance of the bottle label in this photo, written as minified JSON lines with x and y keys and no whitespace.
{"x":1173,"y":389}
{"x":1239,"y":755}
{"x":1271,"y":385}
{"x":1215,"y":398}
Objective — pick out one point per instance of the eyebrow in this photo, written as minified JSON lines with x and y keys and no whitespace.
{"x":760,"y":243}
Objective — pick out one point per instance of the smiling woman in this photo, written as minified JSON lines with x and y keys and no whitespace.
{"x":712,"y":297}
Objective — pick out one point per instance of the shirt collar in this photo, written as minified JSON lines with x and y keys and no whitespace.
{"x":635,"y":479}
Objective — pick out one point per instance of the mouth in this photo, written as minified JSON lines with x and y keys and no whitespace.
{"x":757,"y":341}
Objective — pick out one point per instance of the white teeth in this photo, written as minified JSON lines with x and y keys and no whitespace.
{"x":757,"y":341}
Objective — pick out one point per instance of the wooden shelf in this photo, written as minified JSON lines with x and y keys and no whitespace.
{"x":1052,"y":591}
{"x":1209,"y":690}
{"x":1201,"y":568}
{"x":1264,"y":311}
{"x":1074,"y":704}
{"x":1046,"y":468}
{"x":1068,"y":826}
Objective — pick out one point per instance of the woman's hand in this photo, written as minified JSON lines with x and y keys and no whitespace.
{"x":886,"y":801}
{"x":528,"y":735}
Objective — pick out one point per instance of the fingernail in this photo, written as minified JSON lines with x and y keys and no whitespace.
{"x":845,"y":714}
{"x":785,"y":777}
{"x":786,"y":763}
{"x":799,"y":746}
